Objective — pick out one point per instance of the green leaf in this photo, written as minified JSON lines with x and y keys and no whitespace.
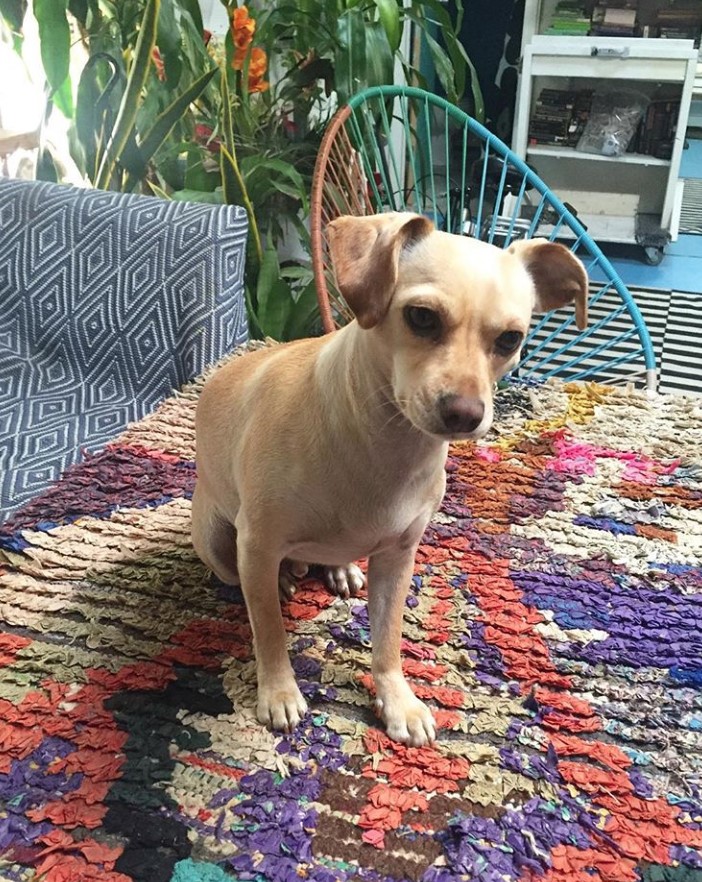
{"x":54,"y":39}
{"x":192,"y":7}
{"x":63,"y":98}
{"x":389,"y":14}
{"x":231,"y":179}
{"x":152,"y":101}
{"x":264,"y":176}
{"x":435,"y":12}
{"x":458,"y":4}
{"x":214,"y":198}
{"x":195,"y":57}
{"x":228,"y":51}
{"x":235,"y":192}
{"x":350,"y":67}
{"x":477,"y":92}
{"x":381,"y":62}
{"x":444,"y":68}
{"x":296,"y":271}
{"x":227,"y":122}
{"x":88,"y":122}
{"x":302,"y":231}
{"x":171,"y":172}
{"x":13,"y":12}
{"x":162,"y":127}
{"x":168,"y":40}
{"x":131,"y":162}
{"x":136,"y":79}
{"x":304,"y":314}
{"x":273,"y":296}
{"x":197,"y":177}
{"x":432,"y":16}
{"x":93,"y":105}
{"x":459,"y":59}
{"x":46,"y":167}
{"x":458,"y":55}
{"x":304,"y":17}
{"x":157,"y":191}
{"x":255,"y":329}
{"x":79,"y":9}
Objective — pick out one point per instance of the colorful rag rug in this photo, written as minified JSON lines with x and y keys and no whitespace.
{"x":554,"y":625}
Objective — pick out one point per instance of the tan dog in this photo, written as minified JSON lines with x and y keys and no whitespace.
{"x":333,"y":449}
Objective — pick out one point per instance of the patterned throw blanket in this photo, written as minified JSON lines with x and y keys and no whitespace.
{"x":553,"y":624}
{"x":109,"y":302}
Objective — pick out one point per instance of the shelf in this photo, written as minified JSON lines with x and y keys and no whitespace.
{"x":613,"y":191}
{"x":604,"y":228}
{"x":572,"y":153}
{"x":539,"y":15}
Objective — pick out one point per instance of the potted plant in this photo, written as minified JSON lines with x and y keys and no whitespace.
{"x":162,"y":107}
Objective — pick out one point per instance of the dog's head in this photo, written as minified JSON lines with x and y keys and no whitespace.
{"x":449,"y":314}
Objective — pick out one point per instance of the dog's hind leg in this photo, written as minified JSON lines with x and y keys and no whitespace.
{"x":215,"y":543}
{"x":345,"y":581}
{"x":214,"y":539}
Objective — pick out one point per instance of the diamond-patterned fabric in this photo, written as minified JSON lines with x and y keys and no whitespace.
{"x":108,"y":302}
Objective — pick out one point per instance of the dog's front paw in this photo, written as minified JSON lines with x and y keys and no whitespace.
{"x":280,"y":705}
{"x":407,"y":719}
{"x":345,"y":581}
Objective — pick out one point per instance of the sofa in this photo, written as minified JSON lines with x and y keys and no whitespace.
{"x":108,"y":302}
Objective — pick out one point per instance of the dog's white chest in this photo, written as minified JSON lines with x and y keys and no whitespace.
{"x":359,"y":528}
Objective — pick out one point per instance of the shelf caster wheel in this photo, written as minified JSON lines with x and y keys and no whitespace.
{"x":653,"y":255}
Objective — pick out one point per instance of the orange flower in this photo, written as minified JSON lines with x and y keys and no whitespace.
{"x":258,"y":62}
{"x":239,"y":58}
{"x":243,"y":27}
{"x":257,"y":69}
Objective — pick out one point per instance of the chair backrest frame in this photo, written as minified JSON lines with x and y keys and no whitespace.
{"x":366,"y":191}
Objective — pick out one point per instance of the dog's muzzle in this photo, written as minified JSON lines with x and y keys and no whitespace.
{"x":460,"y":414}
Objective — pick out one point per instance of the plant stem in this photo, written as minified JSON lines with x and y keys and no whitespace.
{"x":234,"y":165}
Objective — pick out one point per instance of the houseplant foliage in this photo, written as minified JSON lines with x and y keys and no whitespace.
{"x":123,"y":108}
{"x":348,"y":45}
{"x":162,"y":107}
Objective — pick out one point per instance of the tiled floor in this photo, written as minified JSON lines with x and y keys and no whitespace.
{"x":672,"y":306}
{"x":681,"y":268}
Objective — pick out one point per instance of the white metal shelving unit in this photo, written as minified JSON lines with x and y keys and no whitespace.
{"x":632,"y":198}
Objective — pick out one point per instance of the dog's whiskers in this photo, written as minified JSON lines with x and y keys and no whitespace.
{"x":385,"y":393}
{"x":399,"y":414}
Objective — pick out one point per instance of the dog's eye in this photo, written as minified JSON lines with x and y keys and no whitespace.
{"x":508,"y":342}
{"x":424,"y":322}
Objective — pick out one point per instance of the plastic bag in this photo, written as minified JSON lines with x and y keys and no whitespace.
{"x":613,"y":120}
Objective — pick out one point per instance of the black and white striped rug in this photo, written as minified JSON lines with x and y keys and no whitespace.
{"x":680,"y":358}
{"x":691,"y":210}
{"x":674,"y":322}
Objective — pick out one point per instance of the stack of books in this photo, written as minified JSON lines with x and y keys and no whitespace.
{"x":609,"y":21}
{"x":656,"y":131}
{"x":559,"y":117}
{"x":674,"y":19}
{"x":680,"y":23}
{"x":569,"y":19}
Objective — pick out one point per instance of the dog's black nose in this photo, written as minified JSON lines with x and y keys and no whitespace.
{"x":461,"y":415}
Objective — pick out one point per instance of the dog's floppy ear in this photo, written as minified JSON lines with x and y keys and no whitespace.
{"x":559,"y":276}
{"x":366,"y":253}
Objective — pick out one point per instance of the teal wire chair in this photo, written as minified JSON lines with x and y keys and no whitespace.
{"x":399,"y":148}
